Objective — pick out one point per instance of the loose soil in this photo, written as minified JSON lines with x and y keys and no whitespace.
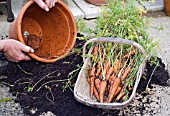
{"x":57,"y":97}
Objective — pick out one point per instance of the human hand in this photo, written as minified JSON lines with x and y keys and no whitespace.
{"x":14,"y":50}
{"x":46,"y":4}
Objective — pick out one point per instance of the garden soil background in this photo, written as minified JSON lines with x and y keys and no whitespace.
{"x":48,"y":84}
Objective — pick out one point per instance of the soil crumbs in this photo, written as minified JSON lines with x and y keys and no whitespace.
{"x":47,"y":88}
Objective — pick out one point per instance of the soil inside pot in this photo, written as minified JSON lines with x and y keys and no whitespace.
{"x":51,"y":93}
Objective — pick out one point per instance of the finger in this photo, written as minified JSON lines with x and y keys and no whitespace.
{"x":9,"y":58}
{"x":26,"y":48}
{"x":42,"y":5}
{"x":48,"y":3}
{"x":12,"y":59}
{"x":51,"y":4}
{"x":54,"y":1}
{"x":22,"y":56}
{"x":27,"y":58}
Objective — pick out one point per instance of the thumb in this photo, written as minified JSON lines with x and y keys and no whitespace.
{"x":27,"y":49}
{"x":42,"y":5}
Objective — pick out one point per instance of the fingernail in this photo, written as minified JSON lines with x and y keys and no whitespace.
{"x":47,"y":9}
{"x":32,"y":51}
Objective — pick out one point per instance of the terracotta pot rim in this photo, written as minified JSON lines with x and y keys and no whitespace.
{"x":20,"y":38}
{"x":74,"y":27}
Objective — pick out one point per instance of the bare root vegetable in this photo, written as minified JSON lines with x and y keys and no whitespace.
{"x":95,"y":50}
{"x":118,"y":90}
{"x":92,"y":77}
{"x":97,"y":83}
{"x":99,"y":69}
{"x":96,"y":93}
{"x":113,"y":90}
{"x":125,"y":97}
{"x":95,"y":90}
{"x":107,"y":65}
{"x":100,"y":76}
{"x":121,"y":94}
{"x":130,"y":89}
{"x":109,"y":72}
{"x":116,"y":65}
{"x":103,"y":85}
{"x":125,"y":73}
{"x":111,"y":79}
{"x":131,"y":53}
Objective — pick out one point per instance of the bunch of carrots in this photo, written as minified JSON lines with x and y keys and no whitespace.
{"x":112,"y":73}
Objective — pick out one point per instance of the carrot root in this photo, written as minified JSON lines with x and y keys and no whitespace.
{"x":116,"y":65}
{"x":107,"y":65}
{"x":96,"y":94}
{"x":113,"y":90}
{"x":131,"y":53}
{"x":95,"y":49}
{"x":103,"y":85}
{"x":125,"y":74}
{"x":92,"y":76}
{"x":110,"y":71}
{"x":118,"y":90}
{"x":119,"y":96}
{"x":97,"y":84}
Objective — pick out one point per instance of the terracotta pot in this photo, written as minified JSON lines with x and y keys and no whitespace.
{"x":51,"y":34}
{"x":167,"y":7}
{"x":97,"y":2}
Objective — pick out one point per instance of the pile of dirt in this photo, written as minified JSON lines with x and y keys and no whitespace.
{"x":41,"y":87}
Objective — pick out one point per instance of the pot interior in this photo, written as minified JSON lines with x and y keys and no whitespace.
{"x":48,"y":32}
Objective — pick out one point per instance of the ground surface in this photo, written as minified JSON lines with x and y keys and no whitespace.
{"x":51,"y":97}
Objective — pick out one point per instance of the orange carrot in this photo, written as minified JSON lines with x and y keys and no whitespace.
{"x":125,"y":73}
{"x":111,"y":79}
{"x":97,"y":83}
{"x":100,"y":76}
{"x":98,"y":64}
{"x":130,"y":89}
{"x":113,"y":90}
{"x":121,"y":94}
{"x":103,"y":85}
{"x":96,"y":93}
{"x":99,"y":69}
{"x":131,"y":53}
{"x":95,"y":49}
{"x":95,"y":90}
{"x":109,"y":72}
{"x":92,"y":71}
{"x":116,"y":65}
{"x":92,"y":76}
{"x":107,"y":65}
{"x":125,"y":96}
{"x":118,"y":90}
